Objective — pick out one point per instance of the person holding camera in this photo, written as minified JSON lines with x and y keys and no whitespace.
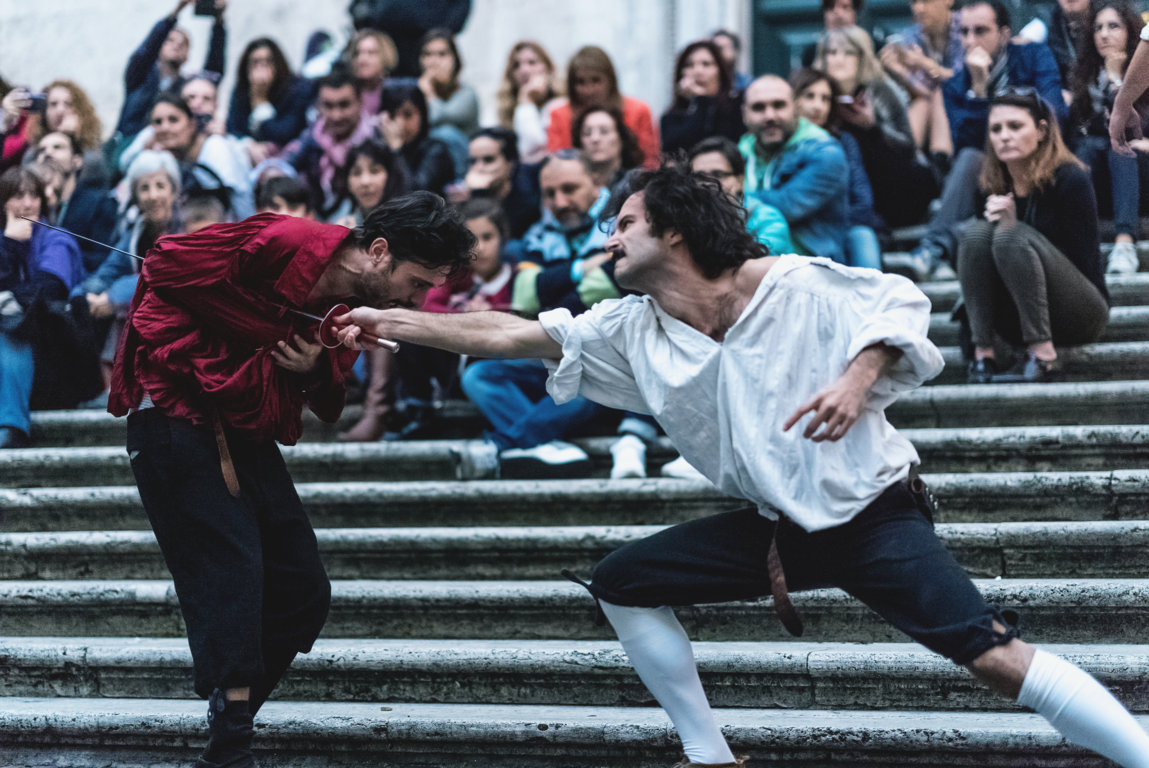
{"x":156,"y":65}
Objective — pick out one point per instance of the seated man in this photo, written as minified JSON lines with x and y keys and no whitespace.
{"x":992,"y":66}
{"x":86,"y":209}
{"x":564,"y":265}
{"x":796,"y":167}
{"x":319,"y":152}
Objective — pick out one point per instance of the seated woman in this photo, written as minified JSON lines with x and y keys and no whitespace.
{"x":269,"y":102}
{"x":37,"y":264}
{"x":1030,"y":269}
{"x":718,"y":157}
{"x":610,"y":147}
{"x":154,"y":184}
{"x":452,"y":106}
{"x":371,"y":55}
{"x":529,"y":91}
{"x":903,"y":183}
{"x":404,"y":123}
{"x":1115,"y":29}
{"x":206,"y":162}
{"x":704,"y":103}
{"x":817,"y":98}
{"x":373,"y":174}
{"x":496,"y":173}
{"x":427,"y":375}
{"x":592,"y":82}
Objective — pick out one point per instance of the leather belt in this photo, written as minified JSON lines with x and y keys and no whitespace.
{"x":227,"y":467}
{"x":782,"y":605}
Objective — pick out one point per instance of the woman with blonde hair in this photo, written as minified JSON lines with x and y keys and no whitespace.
{"x":592,"y":82}
{"x":528,"y":94}
{"x":1031,"y":268}
{"x":872,"y":113}
{"x":371,"y":55}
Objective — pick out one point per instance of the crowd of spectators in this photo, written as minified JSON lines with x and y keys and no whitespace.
{"x":994,"y":139}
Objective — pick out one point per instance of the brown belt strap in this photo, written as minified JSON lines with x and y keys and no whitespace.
{"x":225,"y":464}
{"x":782,"y":605}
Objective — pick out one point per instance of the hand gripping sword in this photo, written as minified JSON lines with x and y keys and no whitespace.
{"x":328,"y":330}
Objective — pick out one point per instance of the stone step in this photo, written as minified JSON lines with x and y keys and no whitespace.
{"x":1125,"y":324}
{"x":779,"y":675}
{"x":1052,"y":610}
{"x":1108,"y":402}
{"x":1115,"y":361}
{"x":1124,"y":291}
{"x":941,"y":450}
{"x":963,"y":497}
{"x":1013,"y":550}
{"x":134,"y":733}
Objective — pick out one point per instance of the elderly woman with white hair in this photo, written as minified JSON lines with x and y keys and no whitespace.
{"x":153,"y":180}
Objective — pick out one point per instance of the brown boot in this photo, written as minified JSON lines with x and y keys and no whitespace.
{"x":739,"y":762}
{"x":378,"y":400}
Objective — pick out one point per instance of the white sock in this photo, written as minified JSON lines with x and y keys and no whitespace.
{"x":660,"y":651}
{"x":1083,"y":711}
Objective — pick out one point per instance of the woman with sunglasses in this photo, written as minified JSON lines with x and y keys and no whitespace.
{"x":1030,"y":268}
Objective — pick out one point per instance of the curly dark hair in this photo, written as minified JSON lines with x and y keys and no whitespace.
{"x":422,"y":228}
{"x":712,"y":224}
{"x":630,"y":153}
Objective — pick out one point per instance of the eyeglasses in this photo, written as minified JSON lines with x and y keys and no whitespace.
{"x":979,"y":31}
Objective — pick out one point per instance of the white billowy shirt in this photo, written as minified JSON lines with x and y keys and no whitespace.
{"x":723,"y":404}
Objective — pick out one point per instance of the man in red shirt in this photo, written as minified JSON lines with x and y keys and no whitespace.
{"x":213,"y":370}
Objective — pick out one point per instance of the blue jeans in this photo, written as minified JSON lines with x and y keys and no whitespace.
{"x":512,"y":394}
{"x":1096,"y":152}
{"x":862,"y":248}
{"x":16,"y":371}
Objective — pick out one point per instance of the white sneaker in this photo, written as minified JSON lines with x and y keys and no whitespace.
{"x":556,"y":459}
{"x":682,"y":469}
{"x":1123,"y":259}
{"x":476,"y":460}
{"x":629,"y":454}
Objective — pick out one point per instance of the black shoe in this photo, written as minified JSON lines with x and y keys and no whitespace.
{"x":230,"y":725}
{"x":982,"y":371}
{"x":10,"y":437}
{"x":1030,"y":370}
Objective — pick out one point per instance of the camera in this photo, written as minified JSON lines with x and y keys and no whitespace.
{"x":37,"y":102}
{"x":205,"y":7}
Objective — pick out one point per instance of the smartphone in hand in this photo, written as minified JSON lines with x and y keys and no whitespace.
{"x":205,"y":7}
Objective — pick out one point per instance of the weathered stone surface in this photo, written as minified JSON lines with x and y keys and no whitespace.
{"x":1124,"y":290}
{"x":1041,"y":549}
{"x":1125,"y":324}
{"x":1053,"y":610}
{"x":1112,"y":361}
{"x":776,"y":675}
{"x":397,"y":735}
{"x":987,"y":449}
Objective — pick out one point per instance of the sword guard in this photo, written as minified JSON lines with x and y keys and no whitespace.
{"x":328,"y":331}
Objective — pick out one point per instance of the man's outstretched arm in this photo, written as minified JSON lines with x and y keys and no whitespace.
{"x":482,"y":334}
{"x":1124,"y":116}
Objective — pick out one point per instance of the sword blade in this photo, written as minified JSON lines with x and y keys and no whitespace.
{"x":81,"y":237}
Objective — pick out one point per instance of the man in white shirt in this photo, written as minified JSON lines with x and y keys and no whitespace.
{"x":730,"y":352}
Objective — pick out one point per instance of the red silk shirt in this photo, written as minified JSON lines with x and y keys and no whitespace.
{"x":208,"y":311}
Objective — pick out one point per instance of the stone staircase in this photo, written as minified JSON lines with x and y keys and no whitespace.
{"x":452,"y":640}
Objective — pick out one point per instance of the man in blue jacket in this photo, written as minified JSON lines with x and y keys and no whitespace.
{"x":85,"y":207}
{"x":993,"y":65}
{"x":795,"y":167}
{"x":155,"y":67}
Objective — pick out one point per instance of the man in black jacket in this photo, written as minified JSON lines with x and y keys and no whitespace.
{"x":85,"y":207}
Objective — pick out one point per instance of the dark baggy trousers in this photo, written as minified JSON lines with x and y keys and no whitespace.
{"x":247,"y":572}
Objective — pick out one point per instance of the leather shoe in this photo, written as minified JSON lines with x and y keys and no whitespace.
{"x":1030,"y":370}
{"x":10,"y":437}
{"x":982,"y":371}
